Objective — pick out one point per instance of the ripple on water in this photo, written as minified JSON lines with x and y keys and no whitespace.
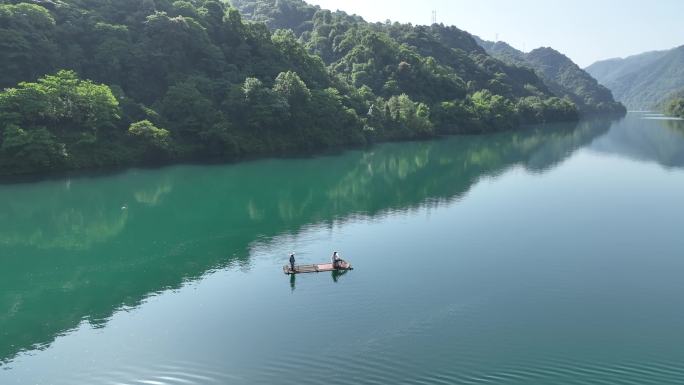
{"x":378,"y":367}
{"x":186,"y":373}
{"x":567,"y":372}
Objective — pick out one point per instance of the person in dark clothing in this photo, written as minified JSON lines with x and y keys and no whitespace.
{"x":335,"y":260}
{"x":292,"y":261}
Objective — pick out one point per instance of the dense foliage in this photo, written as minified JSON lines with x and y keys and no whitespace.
{"x":675,"y":107}
{"x":643,"y":81}
{"x":179,"y":80}
{"x":170,"y":80}
{"x":439,"y":66}
{"x":40,"y":119}
{"x":561,"y":76}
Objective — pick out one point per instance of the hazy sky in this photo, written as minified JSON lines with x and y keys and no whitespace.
{"x":584,"y":30}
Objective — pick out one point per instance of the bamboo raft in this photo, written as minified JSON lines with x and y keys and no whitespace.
{"x":318,"y":268}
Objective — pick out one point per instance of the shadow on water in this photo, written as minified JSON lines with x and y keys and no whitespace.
{"x":80,"y":249}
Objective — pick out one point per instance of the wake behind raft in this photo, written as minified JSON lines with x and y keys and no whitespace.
{"x":318,"y":268}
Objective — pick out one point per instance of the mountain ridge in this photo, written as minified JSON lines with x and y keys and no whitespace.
{"x":613,"y":68}
{"x":561,"y":75}
{"x":643,"y":81}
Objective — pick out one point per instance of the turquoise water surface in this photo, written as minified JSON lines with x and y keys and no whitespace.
{"x":552,"y":255}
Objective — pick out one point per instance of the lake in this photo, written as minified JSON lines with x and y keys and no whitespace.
{"x":550,"y":255}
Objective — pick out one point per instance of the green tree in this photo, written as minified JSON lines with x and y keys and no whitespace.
{"x":265,"y":108}
{"x":411,"y":116}
{"x":291,"y":87}
{"x":492,"y":111}
{"x":58,"y":121}
{"x":150,"y":134}
{"x":63,"y":103}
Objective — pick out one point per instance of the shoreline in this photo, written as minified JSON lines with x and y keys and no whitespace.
{"x":6,"y":180}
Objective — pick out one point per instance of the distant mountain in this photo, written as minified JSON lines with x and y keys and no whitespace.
{"x":607,"y":71}
{"x":642,"y":81}
{"x":560,"y":74}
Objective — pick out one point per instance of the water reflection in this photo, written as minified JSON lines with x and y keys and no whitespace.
{"x":337,"y":274}
{"x":70,"y":253}
{"x":642,"y":138}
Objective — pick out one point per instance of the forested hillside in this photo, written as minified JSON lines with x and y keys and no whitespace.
{"x":170,"y":80}
{"x":108,"y":83}
{"x":507,"y":73}
{"x":643,"y":81}
{"x":465,"y":89}
{"x":562,"y":76}
{"x":674,"y":106}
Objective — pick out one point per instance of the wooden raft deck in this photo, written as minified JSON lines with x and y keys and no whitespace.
{"x":319,"y":268}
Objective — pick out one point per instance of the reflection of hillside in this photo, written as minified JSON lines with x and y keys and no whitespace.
{"x":660,"y":141}
{"x":398,"y":175}
{"x":73,"y":252}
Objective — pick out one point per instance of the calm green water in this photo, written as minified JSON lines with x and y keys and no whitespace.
{"x":549,"y":256}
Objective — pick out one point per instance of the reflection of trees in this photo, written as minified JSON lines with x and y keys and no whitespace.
{"x":676,"y":125}
{"x":51,"y":217}
{"x":70,"y":253}
{"x":660,"y":141}
{"x":152,"y":197}
{"x":401,"y":175}
{"x":70,"y":229}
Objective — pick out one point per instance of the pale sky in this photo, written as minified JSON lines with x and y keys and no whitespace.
{"x":584,"y":30}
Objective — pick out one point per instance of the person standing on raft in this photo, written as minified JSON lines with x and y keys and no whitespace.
{"x":292,"y":262}
{"x":335,"y":260}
